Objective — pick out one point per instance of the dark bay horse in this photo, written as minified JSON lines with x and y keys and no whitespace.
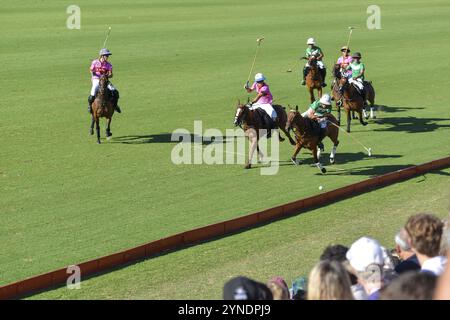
{"x":102,"y":107}
{"x":347,"y":96}
{"x":314,"y":79}
{"x":307,"y":135}
{"x":252,"y":121}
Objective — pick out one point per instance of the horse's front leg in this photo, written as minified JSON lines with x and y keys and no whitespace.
{"x":297,"y":149}
{"x":97,"y":127}
{"x":108,"y":128}
{"x":316,"y":160}
{"x":286,"y":132}
{"x":361,"y":119}
{"x":319,"y":92}
{"x":349,"y":119}
{"x":253,"y":139}
{"x":311,"y":95}
{"x":91,"y":131}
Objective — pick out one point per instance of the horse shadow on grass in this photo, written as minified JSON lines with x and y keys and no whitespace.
{"x":392,"y":109}
{"x":167,"y":138}
{"x":373,"y":171}
{"x":411,"y":124}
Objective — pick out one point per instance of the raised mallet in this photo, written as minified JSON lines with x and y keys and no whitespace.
{"x":107,"y":36}
{"x":258,"y":44}
{"x":349,"y":35}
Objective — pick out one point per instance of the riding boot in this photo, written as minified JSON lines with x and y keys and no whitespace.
{"x":323,"y":73}
{"x":90,"y":101}
{"x":305,"y":73}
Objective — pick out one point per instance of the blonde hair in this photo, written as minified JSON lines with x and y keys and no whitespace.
{"x":329,"y":280}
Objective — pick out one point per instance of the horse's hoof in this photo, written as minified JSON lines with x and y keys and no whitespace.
{"x":348,"y":130}
{"x":295,"y":161}
{"x":98,"y":142}
{"x":108,"y":138}
{"x":332,"y":161}
{"x":249,"y":166}
{"x":364,"y":123}
{"x":91,"y":132}
{"x":323,"y":170}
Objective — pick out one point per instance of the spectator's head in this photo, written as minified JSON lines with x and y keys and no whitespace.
{"x":242,"y":288}
{"x":329,"y":280}
{"x":338,"y":253}
{"x":402,"y":246}
{"x":334,"y":253}
{"x":445,"y":238}
{"x":411,"y":285}
{"x":367,"y":259}
{"x":425,"y":232}
{"x":279,"y":289}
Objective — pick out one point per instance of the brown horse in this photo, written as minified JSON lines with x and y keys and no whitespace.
{"x":252,"y":122}
{"x":307,"y":135}
{"x":347,"y":96}
{"x":102,"y":107}
{"x":314,"y":79}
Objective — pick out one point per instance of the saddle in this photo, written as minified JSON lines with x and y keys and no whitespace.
{"x":313,"y":128}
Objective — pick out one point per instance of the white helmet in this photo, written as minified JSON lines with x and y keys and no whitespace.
{"x":259,"y":77}
{"x":326,"y":99}
{"x":311,"y":41}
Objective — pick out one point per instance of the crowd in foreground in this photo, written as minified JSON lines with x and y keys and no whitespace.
{"x":416,"y":269}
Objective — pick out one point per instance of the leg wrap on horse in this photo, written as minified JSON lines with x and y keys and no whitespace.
{"x":323,"y":73}
{"x":90,"y":101}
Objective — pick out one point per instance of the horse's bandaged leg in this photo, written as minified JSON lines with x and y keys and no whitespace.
{"x":253,"y":139}
{"x":320,"y":64}
{"x":333,"y":152}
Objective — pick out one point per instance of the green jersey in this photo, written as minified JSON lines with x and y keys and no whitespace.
{"x":319,"y":109}
{"x":314,"y":51}
{"x":357,"y":69}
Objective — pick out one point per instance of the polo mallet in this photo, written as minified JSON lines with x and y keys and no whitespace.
{"x":349,"y":36}
{"x":258,"y":44}
{"x":107,"y":36}
{"x":369,"y":150}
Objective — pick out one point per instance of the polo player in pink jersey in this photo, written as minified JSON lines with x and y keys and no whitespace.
{"x":264,"y":98}
{"x":100,"y":67}
{"x":345,"y":60}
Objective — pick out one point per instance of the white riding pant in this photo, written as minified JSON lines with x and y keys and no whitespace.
{"x":95,"y":84}
{"x":358,"y":82}
{"x":267,"y":108}
{"x":320,"y":64}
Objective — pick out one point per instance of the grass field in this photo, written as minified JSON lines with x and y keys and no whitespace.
{"x":64,"y":199}
{"x":287,"y":248}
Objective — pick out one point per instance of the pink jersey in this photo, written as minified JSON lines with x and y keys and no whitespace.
{"x":267,"y":98}
{"x":98,"y":68}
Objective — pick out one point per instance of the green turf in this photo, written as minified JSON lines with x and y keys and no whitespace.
{"x":287,"y":248}
{"x":64,"y":199}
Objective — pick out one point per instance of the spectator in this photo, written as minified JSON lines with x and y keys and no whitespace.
{"x":329,"y":280}
{"x":443,"y":287}
{"x":279,"y":289}
{"x":366,"y":258}
{"x":408,"y":259}
{"x":410,"y":285}
{"x":337,"y":253}
{"x":425,"y":232}
{"x":298,"y":291}
{"x":444,"y":241}
{"x":242,"y":288}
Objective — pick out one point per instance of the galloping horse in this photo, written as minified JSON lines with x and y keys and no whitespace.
{"x":347,"y":96}
{"x":308,"y":135}
{"x":102,"y":107}
{"x":252,"y":122}
{"x":314,"y":79}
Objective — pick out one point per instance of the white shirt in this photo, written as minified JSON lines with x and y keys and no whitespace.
{"x":435,"y":265}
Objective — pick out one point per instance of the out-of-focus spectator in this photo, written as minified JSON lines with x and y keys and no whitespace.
{"x":409,"y":260}
{"x":242,"y":288}
{"x":299,"y":286}
{"x":425,"y":232}
{"x":367,"y":259}
{"x":445,"y":238}
{"x":279,"y":289}
{"x":329,"y":280}
{"x":443,"y":286}
{"x":410,"y":285}
{"x":338,"y":253}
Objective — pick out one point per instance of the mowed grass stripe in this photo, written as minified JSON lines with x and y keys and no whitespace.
{"x":64,"y":199}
